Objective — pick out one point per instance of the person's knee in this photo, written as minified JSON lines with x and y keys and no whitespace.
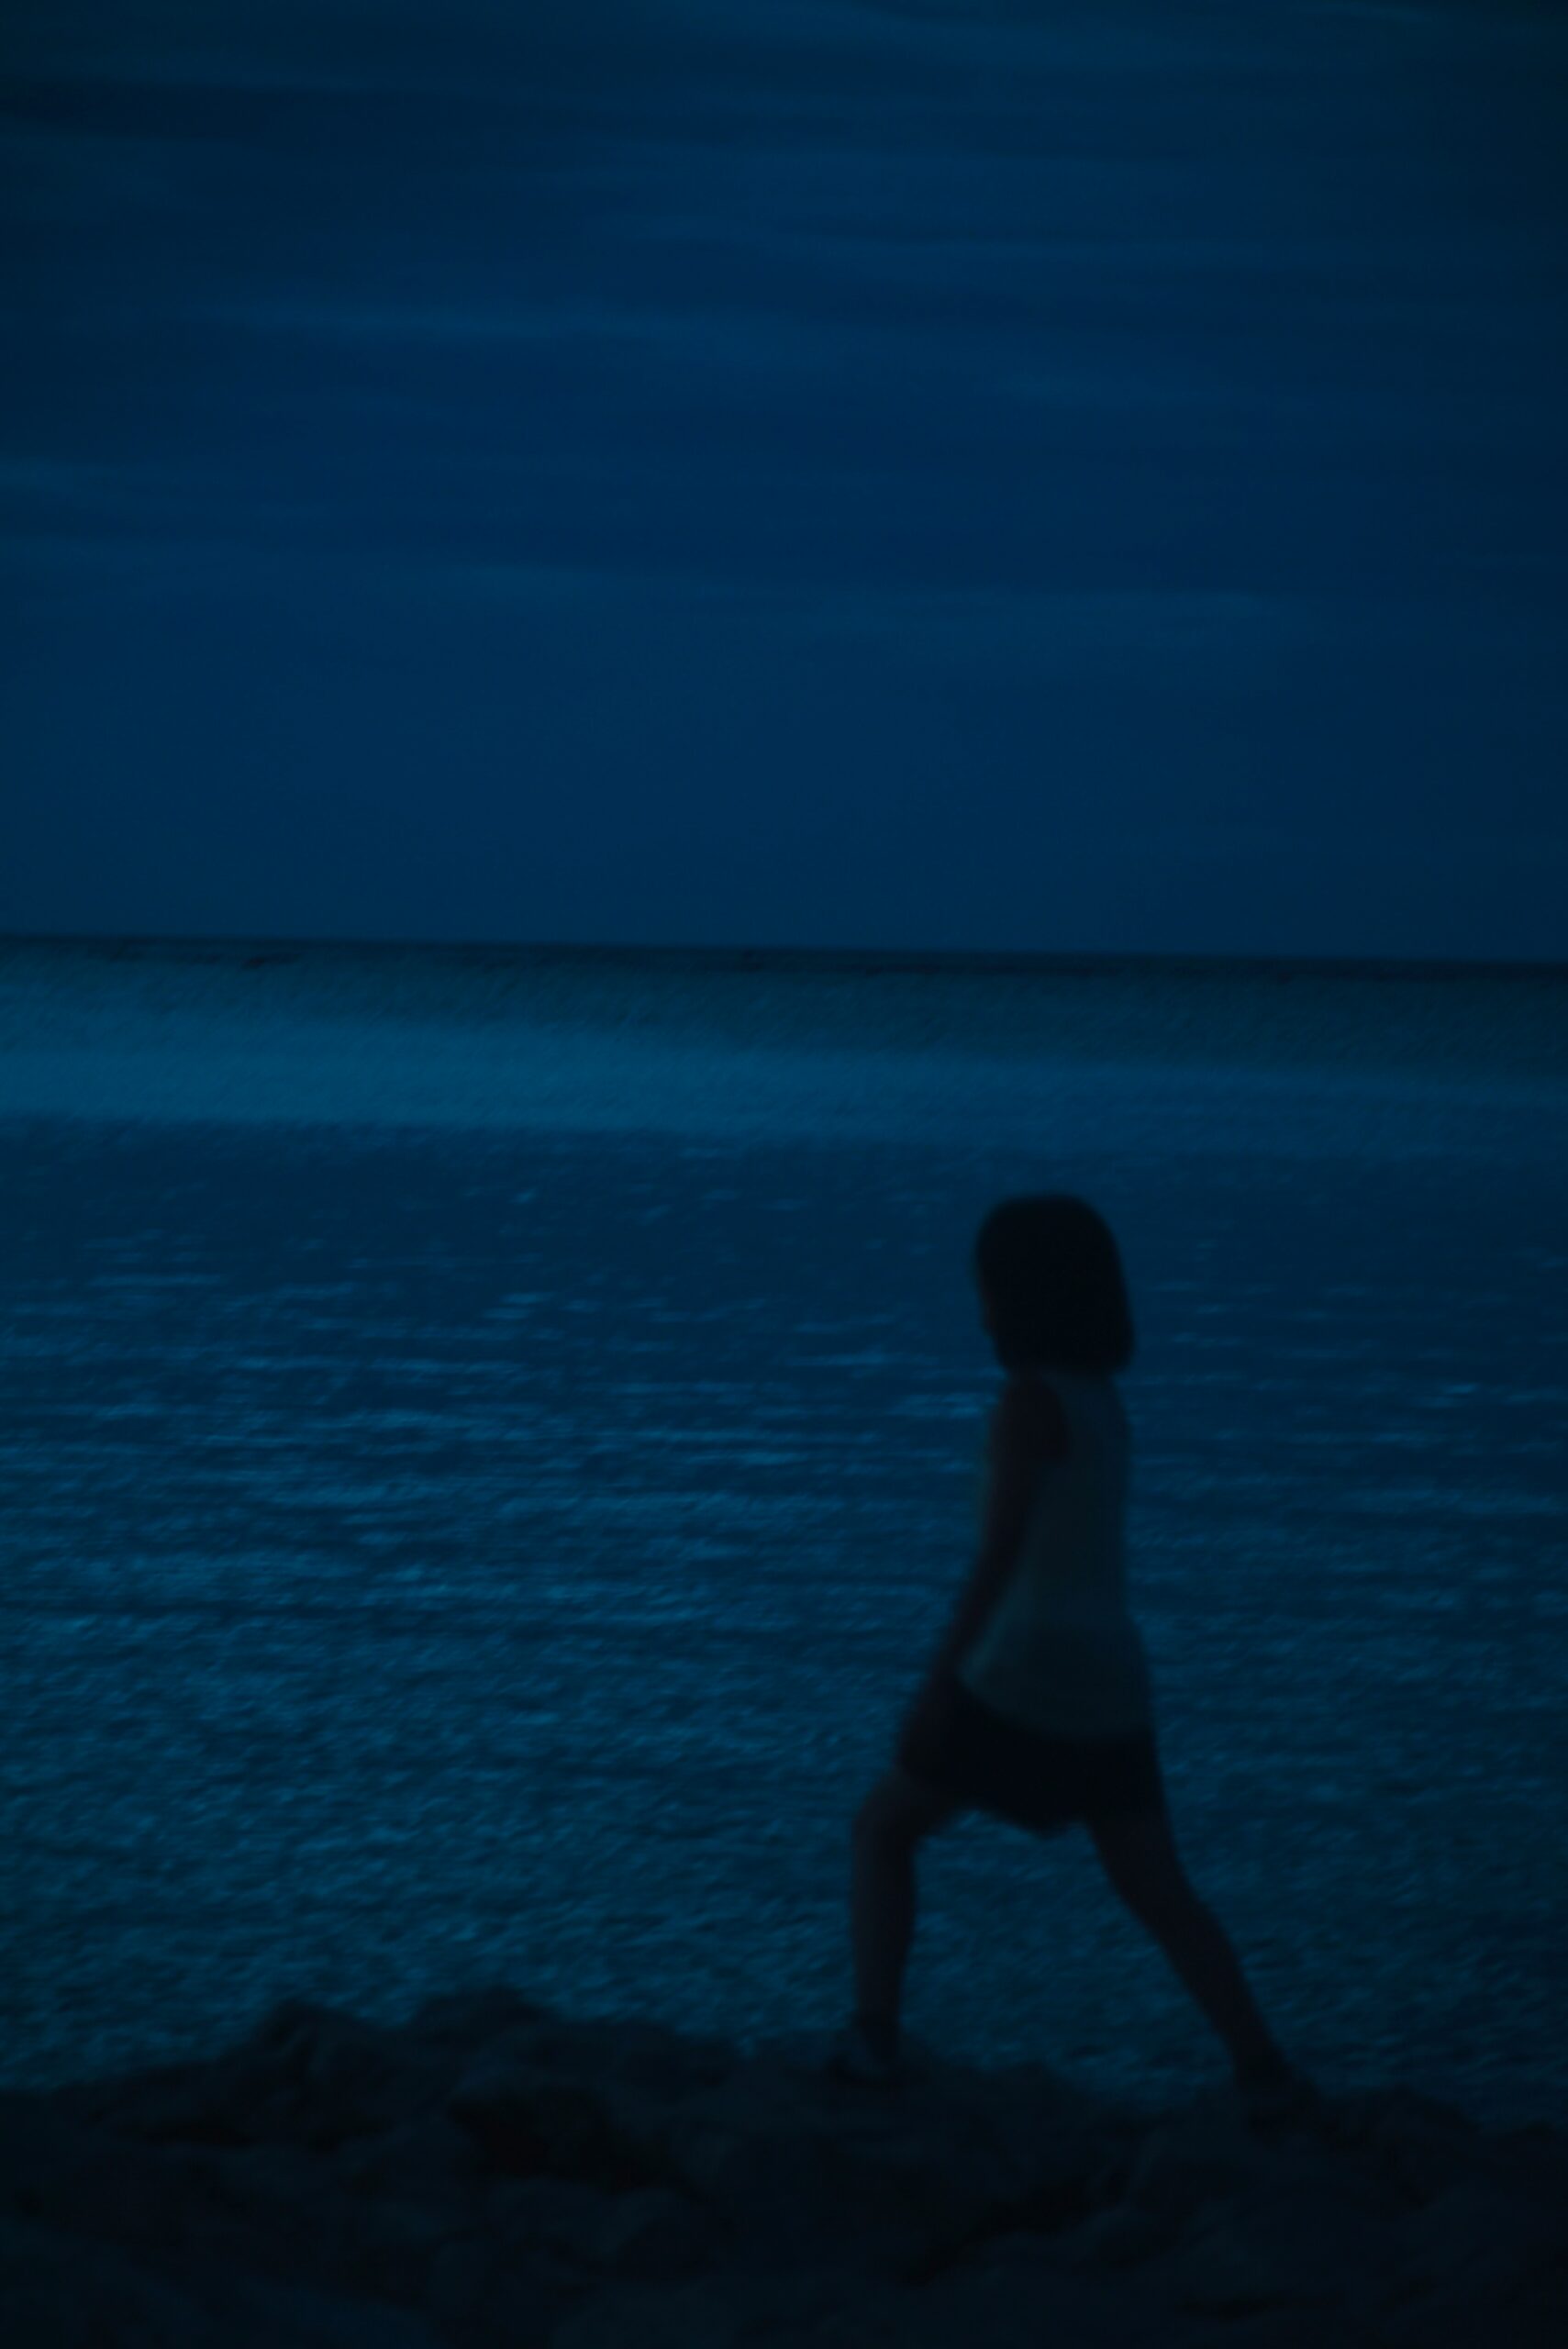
{"x":1163,"y":1899}
{"x":1147,"y":1875}
{"x":882,"y":1820}
{"x":870,"y":1823}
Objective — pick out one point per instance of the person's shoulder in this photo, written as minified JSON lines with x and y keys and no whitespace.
{"x":1029,"y":1418}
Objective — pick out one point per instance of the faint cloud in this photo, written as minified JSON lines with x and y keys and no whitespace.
{"x":767,"y":339}
{"x":1065,"y":622}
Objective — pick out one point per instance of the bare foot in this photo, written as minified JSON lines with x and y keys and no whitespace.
{"x":1275,"y":2072}
{"x":1275,"y":2092}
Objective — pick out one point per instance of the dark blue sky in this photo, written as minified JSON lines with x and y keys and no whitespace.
{"x":855,"y":472}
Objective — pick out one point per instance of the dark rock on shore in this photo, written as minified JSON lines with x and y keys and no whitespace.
{"x":497,"y":2176}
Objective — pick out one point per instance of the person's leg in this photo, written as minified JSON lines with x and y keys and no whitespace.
{"x":1139,"y":1857}
{"x":892,"y":1821}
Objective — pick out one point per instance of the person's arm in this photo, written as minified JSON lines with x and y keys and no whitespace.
{"x":1029,"y":1428}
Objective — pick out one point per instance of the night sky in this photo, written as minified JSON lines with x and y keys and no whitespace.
{"x":906,"y":473}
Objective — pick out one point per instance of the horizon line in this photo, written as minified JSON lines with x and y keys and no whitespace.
{"x":977,"y":961}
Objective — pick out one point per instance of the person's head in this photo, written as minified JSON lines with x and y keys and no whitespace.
{"x":1050,"y":1285}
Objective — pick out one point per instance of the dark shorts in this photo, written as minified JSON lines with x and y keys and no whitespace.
{"x":986,"y":1762}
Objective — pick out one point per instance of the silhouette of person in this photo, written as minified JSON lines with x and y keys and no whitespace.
{"x":1038,"y":1705}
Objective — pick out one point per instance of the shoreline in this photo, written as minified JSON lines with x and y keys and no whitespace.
{"x":494,"y":2171}
{"x":243,"y":947}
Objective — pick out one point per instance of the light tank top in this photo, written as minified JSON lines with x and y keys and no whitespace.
{"x":1060,"y":1651}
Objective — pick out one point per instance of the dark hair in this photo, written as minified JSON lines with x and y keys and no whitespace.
{"x":1052,"y":1272}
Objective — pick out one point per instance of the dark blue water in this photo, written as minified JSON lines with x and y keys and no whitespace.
{"x":475,"y":1540}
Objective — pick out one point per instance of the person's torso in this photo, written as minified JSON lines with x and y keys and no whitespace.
{"x":1060,"y":1651}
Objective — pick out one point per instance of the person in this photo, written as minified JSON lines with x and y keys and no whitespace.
{"x":1038,"y":1705}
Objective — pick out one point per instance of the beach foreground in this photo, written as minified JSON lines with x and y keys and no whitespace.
{"x":494,"y":2171}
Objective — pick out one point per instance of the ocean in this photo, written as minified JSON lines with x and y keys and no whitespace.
{"x":488,"y":1446}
